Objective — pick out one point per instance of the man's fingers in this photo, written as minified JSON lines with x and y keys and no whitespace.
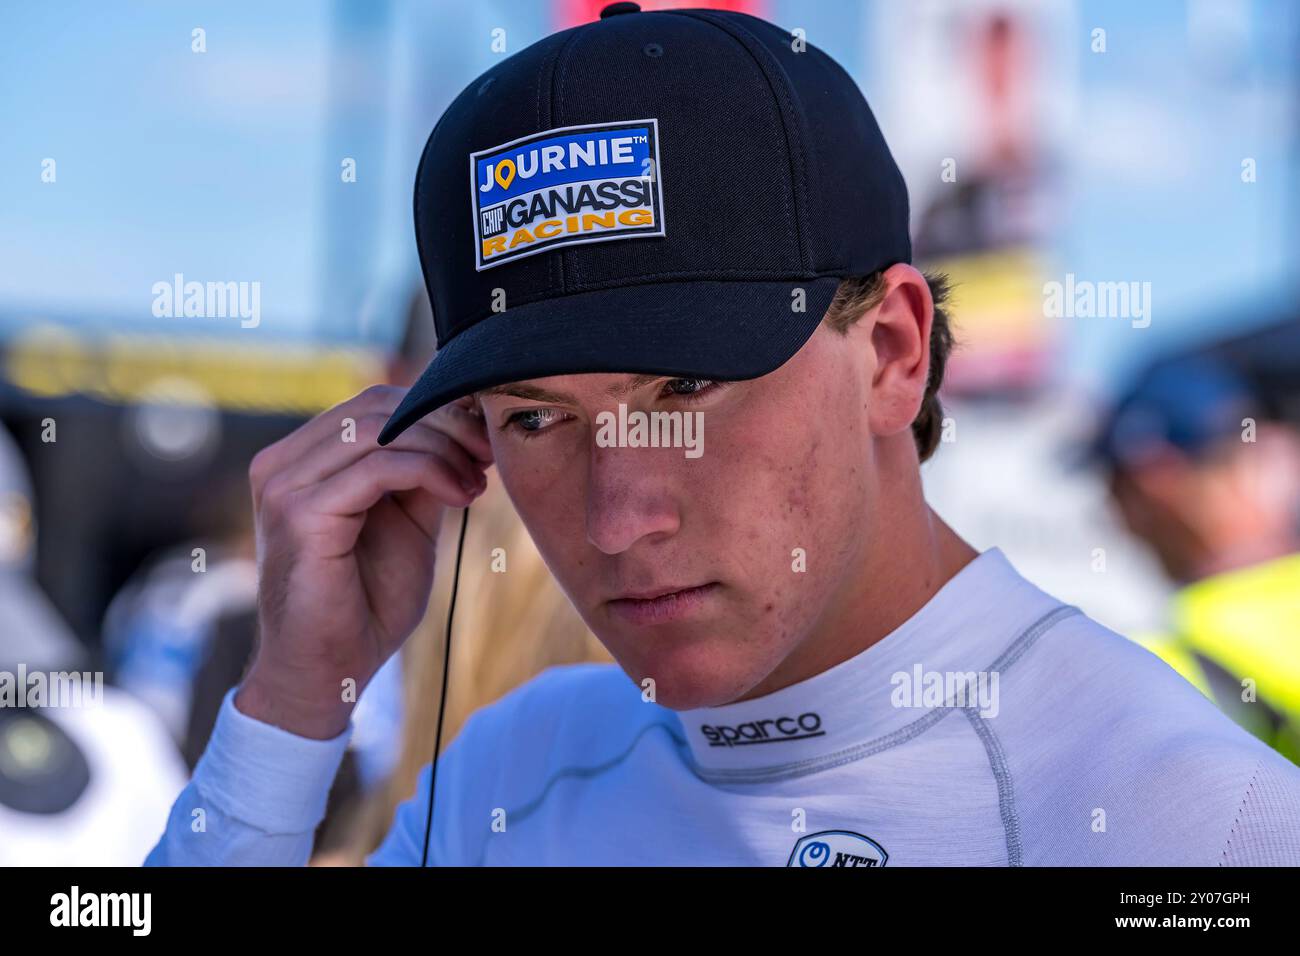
{"x":354,"y":491}
{"x":423,"y":509}
{"x":333,"y":455}
{"x":318,"y":449}
{"x":385,"y":470}
{"x":276,"y":457}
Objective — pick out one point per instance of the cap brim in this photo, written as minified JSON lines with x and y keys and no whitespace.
{"x":719,"y":330}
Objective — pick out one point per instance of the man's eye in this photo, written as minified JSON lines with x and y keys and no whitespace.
{"x":534,"y":419}
{"x":688,"y":386}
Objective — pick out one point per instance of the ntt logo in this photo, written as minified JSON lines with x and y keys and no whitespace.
{"x":772,"y":731}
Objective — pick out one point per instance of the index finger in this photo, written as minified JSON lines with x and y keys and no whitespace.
{"x":376,"y":399}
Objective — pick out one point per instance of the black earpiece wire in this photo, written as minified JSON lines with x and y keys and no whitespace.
{"x":446,"y":679}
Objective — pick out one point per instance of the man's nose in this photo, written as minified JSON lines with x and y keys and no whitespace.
{"x":629,"y":497}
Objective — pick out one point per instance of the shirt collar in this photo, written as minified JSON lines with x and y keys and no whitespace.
{"x":962,"y":629}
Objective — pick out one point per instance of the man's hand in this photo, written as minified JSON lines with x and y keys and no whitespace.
{"x":346,"y":538}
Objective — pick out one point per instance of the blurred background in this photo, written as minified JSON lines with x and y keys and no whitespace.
{"x":1111,"y":187}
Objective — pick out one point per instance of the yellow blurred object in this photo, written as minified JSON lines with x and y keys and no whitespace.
{"x":1246,"y":623}
{"x":51,"y":361}
{"x":1002,"y":333}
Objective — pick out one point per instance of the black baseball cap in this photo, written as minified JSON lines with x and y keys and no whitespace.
{"x":675,"y":192}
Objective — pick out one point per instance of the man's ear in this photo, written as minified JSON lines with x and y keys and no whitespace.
{"x":900,"y":339}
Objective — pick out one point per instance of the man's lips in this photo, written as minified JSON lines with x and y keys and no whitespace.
{"x":659,"y":605}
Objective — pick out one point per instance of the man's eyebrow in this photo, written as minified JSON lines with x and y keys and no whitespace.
{"x":636,"y":382}
{"x":533,"y":393}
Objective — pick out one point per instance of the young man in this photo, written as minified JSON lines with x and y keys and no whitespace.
{"x":660,"y":210}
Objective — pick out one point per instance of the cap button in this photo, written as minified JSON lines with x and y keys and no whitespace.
{"x":614,"y":9}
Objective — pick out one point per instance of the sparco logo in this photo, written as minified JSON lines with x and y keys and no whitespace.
{"x":765,"y":731}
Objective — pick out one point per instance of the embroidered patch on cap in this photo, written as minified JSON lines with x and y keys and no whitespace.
{"x":566,"y":186}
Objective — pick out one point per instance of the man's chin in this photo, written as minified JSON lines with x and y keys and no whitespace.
{"x":685,"y":675}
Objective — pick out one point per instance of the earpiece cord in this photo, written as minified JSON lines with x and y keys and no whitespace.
{"x":442,"y":700}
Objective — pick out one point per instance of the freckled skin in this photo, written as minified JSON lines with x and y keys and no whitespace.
{"x":791,"y":460}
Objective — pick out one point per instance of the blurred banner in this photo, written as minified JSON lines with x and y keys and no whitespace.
{"x":989,"y":84}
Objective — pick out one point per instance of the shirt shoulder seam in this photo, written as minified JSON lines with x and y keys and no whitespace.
{"x":1006,"y":786}
{"x":1236,"y":821}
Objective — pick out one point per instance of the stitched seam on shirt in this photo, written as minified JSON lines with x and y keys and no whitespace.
{"x":588,"y":773}
{"x":1032,"y":634}
{"x":1013,"y":653}
{"x":1250,"y":788}
{"x":1006,"y":789}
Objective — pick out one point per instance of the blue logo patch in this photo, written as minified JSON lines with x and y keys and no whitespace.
{"x":566,"y":186}
{"x":837,"y":848}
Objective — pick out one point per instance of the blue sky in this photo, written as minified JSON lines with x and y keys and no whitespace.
{"x":224,"y":165}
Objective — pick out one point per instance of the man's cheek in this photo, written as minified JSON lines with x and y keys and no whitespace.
{"x":538,"y":503}
{"x":531,"y":468}
{"x":554,"y":513}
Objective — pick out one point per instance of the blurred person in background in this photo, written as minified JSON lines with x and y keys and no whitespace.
{"x":81,"y":784}
{"x":162,"y":624}
{"x":1214,"y":489}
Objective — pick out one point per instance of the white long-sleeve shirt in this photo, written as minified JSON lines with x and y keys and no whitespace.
{"x":996,"y":726}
